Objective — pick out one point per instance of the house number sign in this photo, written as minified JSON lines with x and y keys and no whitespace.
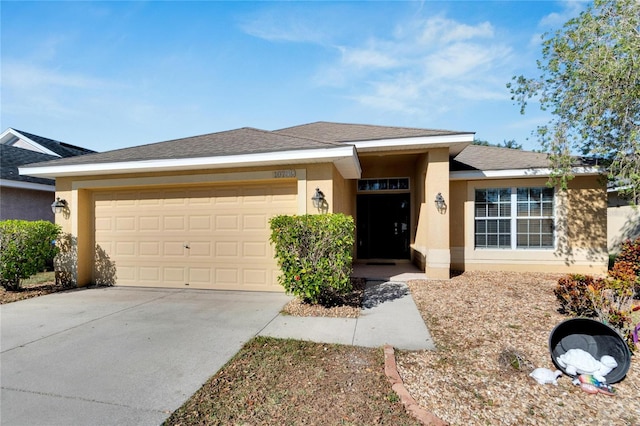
{"x":281,"y":174}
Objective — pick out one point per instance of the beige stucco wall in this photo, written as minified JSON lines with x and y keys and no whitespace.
{"x":623,"y":222}
{"x":77,"y":263}
{"x":580,"y":231}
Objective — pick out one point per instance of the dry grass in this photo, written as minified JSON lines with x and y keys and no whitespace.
{"x":289,"y":382}
{"x":38,"y":285}
{"x":484,"y":325}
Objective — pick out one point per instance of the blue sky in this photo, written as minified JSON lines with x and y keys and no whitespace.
{"x":113,"y":74}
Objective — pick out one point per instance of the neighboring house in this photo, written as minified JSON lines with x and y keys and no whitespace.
{"x":195,"y":211}
{"x":27,"y":197}
{"x":623,"y":220}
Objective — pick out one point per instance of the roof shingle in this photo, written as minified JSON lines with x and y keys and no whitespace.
{"x":61,"y":148}
{"x":12,"y":157}
{"x":233,"y":142}
{"x":343,"y":132}
{"x":479,"y":157}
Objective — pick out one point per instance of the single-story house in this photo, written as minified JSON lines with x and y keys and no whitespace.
{"x":195,"y":211}
{"x":27,"y":197}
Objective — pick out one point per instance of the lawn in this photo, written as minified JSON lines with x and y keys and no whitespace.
{"x":290,"y":382}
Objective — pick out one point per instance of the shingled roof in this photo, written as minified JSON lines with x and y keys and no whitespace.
{"x":61,"y":148}
{"x":343,"y":132}
{"x":479,"y":157}
{"x":11,"y":158}
{"x":228,"y":143}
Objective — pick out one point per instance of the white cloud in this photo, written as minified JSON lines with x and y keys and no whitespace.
{"x":442,"y":30}
{"x":367,"y":57}
{"x":426,"y":65}
{"x":16,"y":75}
{"x":555,"y":20}
{"x":283,"y":26}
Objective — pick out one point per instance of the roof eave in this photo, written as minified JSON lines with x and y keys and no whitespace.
{"x":519,"y":173}
{"x":6,"y":135}
{"x":7,"y":183}
{"x":345,"y":159}
{"x":456,"y":143}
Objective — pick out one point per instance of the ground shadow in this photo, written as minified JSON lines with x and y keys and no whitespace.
{"x":378,"y":292}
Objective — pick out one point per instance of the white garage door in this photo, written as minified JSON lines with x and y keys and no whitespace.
{"x":213,"y":237}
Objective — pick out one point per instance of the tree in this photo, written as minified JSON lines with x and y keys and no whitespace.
{"x":590,"y":82}
{"x":511,"y":144}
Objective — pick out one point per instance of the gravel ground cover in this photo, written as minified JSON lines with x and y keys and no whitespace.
{"x":482,"y":322}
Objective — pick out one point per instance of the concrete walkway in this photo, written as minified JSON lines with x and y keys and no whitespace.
{"x":389,"y":315}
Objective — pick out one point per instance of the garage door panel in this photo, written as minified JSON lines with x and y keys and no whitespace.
{"x":227,"y":222}
{"x":225,"y":227}
{"x":173,"y":223}
{"x":200,"y":223}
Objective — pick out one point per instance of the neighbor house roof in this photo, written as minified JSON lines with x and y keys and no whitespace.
{"x":32,"y":142}
{"x":11,"y":158}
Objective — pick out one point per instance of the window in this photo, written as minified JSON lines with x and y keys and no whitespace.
{"x":514,"y":218}
{"x":388,"y":184}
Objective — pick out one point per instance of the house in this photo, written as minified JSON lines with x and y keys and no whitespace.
{"x":27,"y":197}
{"x":195,"y":211}
{"x":623,"y":219}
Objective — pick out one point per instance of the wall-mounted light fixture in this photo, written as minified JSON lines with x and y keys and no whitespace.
{"x":318,"y":199}
{"x":441,"y":205}
{"x":58,"y":206}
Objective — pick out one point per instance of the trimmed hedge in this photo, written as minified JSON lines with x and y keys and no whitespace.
{"x":26,"y":247}
{"x":314,"y":254}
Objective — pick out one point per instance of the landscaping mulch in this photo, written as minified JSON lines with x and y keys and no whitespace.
{"x":30,"y":290}
{"x":337,"y":306}
{"x":484,"y":324}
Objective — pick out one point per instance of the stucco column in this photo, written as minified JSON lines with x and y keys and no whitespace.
{"x":437,"y":256}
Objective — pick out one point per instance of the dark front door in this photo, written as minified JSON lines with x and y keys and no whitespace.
{"x":383,"y":226}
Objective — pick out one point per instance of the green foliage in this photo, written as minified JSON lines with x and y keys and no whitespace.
{"x":314,"y":254}
{"x":590,"y":82}
{"x":25,"y":249}
{"x":511,"y":144}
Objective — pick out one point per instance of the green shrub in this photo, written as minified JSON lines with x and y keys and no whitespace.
{"x":25,"y":249}
{"x":314,"y":254}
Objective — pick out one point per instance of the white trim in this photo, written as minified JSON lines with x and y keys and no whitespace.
{"x":345,"y":159}
{"x":27,"y":185}
{"x":518,"y":173}
{"x":456,"y":143}
{"x":37,"y":147}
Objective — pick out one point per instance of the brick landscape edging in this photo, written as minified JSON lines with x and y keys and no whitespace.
{"x":391,"y":371}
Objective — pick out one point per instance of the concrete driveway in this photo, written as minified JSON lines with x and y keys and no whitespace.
{"x":119,"y":355}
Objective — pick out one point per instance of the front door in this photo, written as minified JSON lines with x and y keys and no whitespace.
{"x":383,"y":226}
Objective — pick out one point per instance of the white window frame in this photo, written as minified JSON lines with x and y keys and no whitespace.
{"x":513,"y":219}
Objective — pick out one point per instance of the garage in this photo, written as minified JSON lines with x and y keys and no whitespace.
{"x":207,"y":237}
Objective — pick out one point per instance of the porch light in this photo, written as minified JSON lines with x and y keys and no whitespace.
{"x":58,"y":206}
{"x":440,"y":204}
{"x":318,"y":199}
